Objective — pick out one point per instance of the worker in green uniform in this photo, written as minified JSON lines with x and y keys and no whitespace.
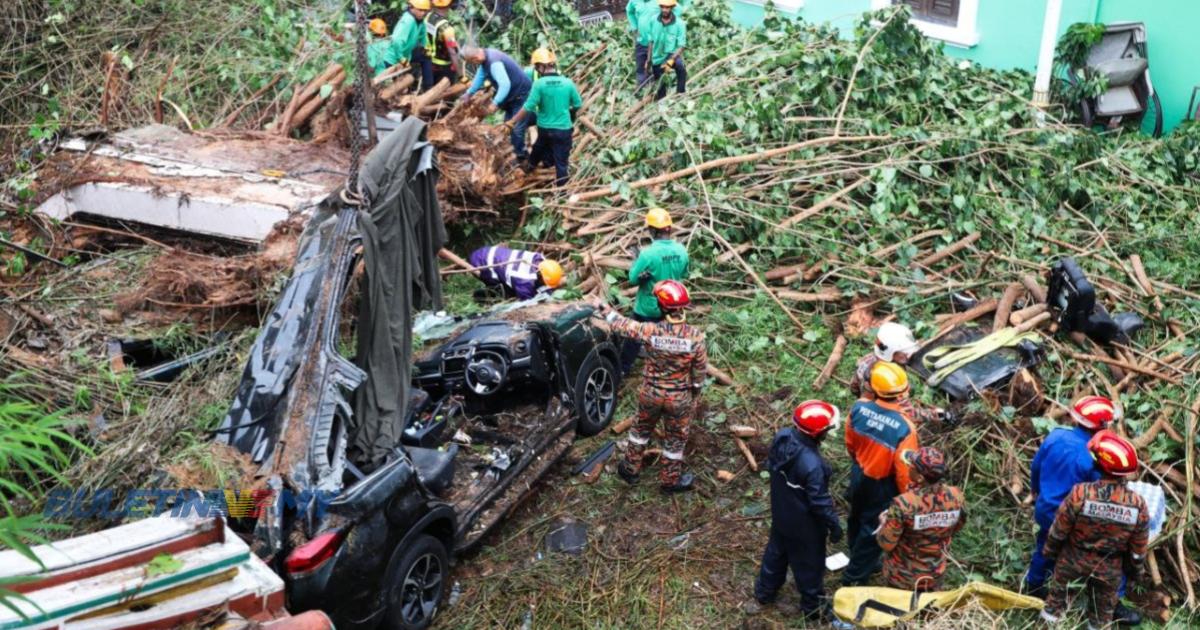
{"x":555,"y":101}
{"x":408,"y":42}
{"x":664,"y":259}
{"x":377,"y":50}
{"x":441,"y":44}
{"x":668,"y":36}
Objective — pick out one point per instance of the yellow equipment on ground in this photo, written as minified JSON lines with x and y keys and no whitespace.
{"x":882,"y":607}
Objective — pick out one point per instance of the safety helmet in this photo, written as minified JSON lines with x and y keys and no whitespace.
{"x":1114,"y":454}
{"x":888,"y":380}
{"x":667,"y":3}
{"x":929,"y":462}
{"x":378,"y":26}
{"x":658,"y":218}
{"x":671,"y":295}
{"x":542,"y":55}
{"x":442,"y":4}
{"x":1093,"y":412}
{"x":551,"y":273}
{"x":893,"y":338}
{"x":421,"y":5}
{"x":816,"y":417}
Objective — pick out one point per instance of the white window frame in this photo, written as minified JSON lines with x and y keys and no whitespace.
{"x":965,"y":35}
{"x":786,"y":6}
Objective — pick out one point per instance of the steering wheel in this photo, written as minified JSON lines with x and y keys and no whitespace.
{"x":485,"y":372}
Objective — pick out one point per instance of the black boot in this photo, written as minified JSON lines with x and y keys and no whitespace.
{"x":1126,"y":616}
{"x":684,"y":483}
{"x":628,"y":476}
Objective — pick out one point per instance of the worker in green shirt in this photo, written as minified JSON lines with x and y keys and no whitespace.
{"x":668,"y":36}
{"x":664,"y":259}
{"x":377,"y":49}
{"x":555,"y":101}
{"x":408,"y":42}
{"x":640,"y":15}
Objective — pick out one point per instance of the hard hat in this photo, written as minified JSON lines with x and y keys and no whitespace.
{"x":889,"y":380}
{"x":1114,"y":454}
{"x":421,"y":5}
{"x":1093,"y":412}
{"x":671,"y":295}
{"x":658,"y":218}
{"x":442,"y":4}
{"x":551,"y":273}
{"x":378,"y":26}
{"x":893,"y":338}
{"x":667,"y":3}
{"x":816,"y":417}
{"x":929,"y":462}
{"x":543,"y":55}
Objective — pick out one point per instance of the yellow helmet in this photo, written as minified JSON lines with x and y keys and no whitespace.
{"x":420,"y":5}
{"x":379,"y":27}
{"x":658,"y":218}
{"x":442,"y":4}
{"x":551,"y":273}
{"x":543,"y":55}
{"x":889,"y":380}
{"x":667,"y":3}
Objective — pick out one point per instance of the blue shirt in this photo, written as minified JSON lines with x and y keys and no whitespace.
{"x":1062,"y":461}
{"x":506,"y":74}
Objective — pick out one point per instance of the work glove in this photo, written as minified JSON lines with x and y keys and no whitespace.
{"x":835,"y":534}
{"x":645,"y":277}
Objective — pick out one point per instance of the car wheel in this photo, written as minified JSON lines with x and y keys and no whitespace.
{"x":416,"y":584}
{"x":595,"y":395}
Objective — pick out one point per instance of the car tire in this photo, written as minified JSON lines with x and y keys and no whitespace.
{"x":595,"y":395}
{"x":415,"y":584}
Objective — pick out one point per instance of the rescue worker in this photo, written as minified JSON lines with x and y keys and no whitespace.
{"x":676,"y":363}
{"x":1063,"y":461}
{"x":878,"y":434}
{"x":917,"y":528}
{"x":408,"y":43}
{"x":896,"y":343}
{"x":377,"y":50}
{"x":554,"y":102}
{"x":516,"y":273}
{"x":664,"y":259}
{"x":512,"y":89}
{"x":802,"y":514}
{"x":1099,"y":533}
{"x":441,"y":44}
{"x":640,"y":14}
{"x":668,"y":36}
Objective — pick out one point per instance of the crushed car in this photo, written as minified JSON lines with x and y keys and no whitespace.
{"x":380,"y":468}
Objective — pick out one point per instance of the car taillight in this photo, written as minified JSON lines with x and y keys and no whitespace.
{"x":311,"y":554}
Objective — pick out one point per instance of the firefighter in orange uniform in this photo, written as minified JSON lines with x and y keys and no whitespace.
{"x":676,"y":362}
{"x":917,"y":528}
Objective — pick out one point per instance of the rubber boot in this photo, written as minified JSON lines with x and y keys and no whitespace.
{"x":1126,"y":616}
{"x":626,"y":475}
{"x":684,"y":483}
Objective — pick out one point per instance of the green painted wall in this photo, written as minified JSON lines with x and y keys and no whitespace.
{"x":1010,"y":33}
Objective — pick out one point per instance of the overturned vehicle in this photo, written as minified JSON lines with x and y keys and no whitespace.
{"x":377,"y":471}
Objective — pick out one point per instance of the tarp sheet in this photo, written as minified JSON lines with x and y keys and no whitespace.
{"x":401,"y":231}
{"x":881,"y":607}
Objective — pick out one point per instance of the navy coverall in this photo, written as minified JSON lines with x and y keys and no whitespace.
{"x":802,"y":516}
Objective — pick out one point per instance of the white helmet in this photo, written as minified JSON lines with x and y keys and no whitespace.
{"x":893,"y":338}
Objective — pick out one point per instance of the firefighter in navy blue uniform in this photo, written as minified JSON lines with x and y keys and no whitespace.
{"x":1100,"y":533}
{"x":802,"y":514}
{"x":877,"y":436}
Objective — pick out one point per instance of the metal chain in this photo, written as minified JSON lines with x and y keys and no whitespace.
{"x":360,"y":96}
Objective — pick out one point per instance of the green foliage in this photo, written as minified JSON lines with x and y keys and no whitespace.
{"x":1073,"y":47}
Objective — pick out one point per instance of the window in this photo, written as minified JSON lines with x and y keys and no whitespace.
{"x":952,"y":21}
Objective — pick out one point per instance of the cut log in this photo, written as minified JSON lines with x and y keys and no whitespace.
{"x":826,"y":295}
{"x":835,"y":357}
{"x":724,"y":476}
{"x":720,"y":376}
{"x":743,"y":431}
{"x":947,"y":251}
{"x":741,"y":444}
{"x":1032,"y":323}
{"x":979,"y":310}
{"x":1125,"y":365}
{"x":1029,"y":312}
{"x":302,"y":96}
{"x":780,"y":273}
{"x":623,"y":425}
{"x":1035,"y":289}
{"x":1004,"y":309}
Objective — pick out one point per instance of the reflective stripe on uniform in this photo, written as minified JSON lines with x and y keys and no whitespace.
{"x":640,"y":441}
{"x":675,"y":455}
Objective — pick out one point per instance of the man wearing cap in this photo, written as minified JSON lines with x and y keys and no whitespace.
{"x":878,"y":434}
{"x":895,"y":342}
{"x":517,"y":273}
{"x":802,"y":514}
{"x":916,"y":530}
{"x":664,"y":259}
{"x":1061,"y":462}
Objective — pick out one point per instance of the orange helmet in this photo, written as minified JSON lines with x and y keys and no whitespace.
{"x":889,"y":380}
{"x":1114,"y":454}
{"x":672,"y":295}
{"x":1093,"y":412}
{"x":551,"y":273}
{"x":816,"y":417}
{"x":378,"y":26}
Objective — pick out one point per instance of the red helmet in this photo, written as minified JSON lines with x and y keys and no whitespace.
{"x":672,"y":295}
{"x":1114,"y":454}
{"x":1093,"y":412}
{"x":816,"y":417}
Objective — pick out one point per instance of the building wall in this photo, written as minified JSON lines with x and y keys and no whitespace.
{"x":1010,"y":33}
